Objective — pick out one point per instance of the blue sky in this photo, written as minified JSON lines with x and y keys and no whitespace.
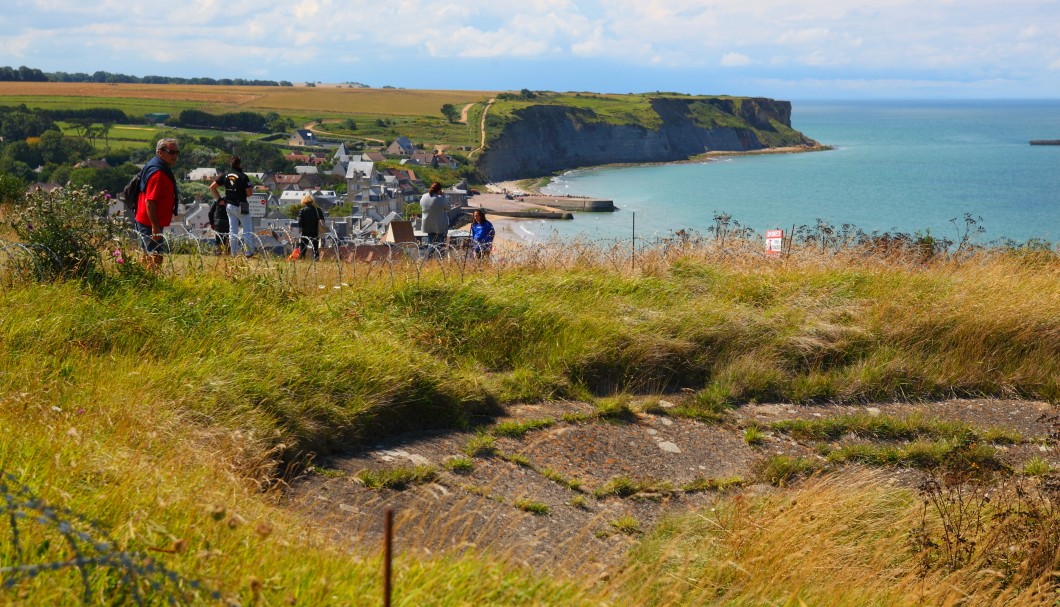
{"x":785,"y":49}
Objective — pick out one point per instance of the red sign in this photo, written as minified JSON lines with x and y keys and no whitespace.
{"x":774,"y":242}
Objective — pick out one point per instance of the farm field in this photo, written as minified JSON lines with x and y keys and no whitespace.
{"x":325,"y":101}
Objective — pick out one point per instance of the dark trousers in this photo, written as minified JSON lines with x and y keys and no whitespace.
{"x":435,"y":242}
{"x":305,"y":241}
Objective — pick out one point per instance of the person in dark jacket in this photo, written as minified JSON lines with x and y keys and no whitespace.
{"x":237,"y":188}
{"x":310,"y":220}
{"x":218,"y":217}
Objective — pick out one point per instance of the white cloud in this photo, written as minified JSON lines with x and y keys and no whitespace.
{"x":813,"y":35}
{"x":285,"y":38}
{"x":734,"y":60}
{"x":1029,"y":33}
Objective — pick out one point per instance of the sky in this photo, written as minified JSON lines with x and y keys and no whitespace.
{"x":783,"y":49}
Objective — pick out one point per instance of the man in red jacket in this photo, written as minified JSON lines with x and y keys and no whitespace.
{"x":158,"y":199}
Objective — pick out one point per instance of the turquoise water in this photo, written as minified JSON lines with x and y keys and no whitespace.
{"x":905,"y":166}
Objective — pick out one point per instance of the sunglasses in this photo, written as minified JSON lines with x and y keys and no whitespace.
{"x":174,"y":152}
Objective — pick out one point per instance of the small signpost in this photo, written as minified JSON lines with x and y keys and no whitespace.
{"x":258,"y":205}
{"x":774,"y":242}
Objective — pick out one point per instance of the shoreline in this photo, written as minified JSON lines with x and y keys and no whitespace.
{"x":529,"y":187}
{"x":515,"y":227}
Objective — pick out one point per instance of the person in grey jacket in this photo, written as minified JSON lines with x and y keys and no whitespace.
{"x":435,"y":206}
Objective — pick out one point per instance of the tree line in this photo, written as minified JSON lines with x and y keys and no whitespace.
{"x":21,"y":122}
{"x":53,"y":157}
{"x":27,"y":74}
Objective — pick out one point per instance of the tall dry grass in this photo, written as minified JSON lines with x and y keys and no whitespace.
{"x":169,"y":408}
{"x":843,"y":540}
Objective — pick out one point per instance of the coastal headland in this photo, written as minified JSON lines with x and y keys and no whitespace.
{"x":565,"y":132}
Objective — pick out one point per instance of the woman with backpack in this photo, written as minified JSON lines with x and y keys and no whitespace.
{"x":310,"y":222}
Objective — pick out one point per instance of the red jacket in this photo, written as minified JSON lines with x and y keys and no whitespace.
{"x":162,"y":189}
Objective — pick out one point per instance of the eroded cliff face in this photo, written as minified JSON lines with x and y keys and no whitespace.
{"x":546,"y":139}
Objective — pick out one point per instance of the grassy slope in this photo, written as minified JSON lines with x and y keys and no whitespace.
{"x":161,"y":409}
{"x":635,"y":109}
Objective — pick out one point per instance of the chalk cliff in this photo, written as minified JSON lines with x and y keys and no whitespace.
{"x":545,"y":139}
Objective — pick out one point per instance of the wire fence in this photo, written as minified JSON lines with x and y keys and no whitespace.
{"x":53,"y":544}
{"x":344,"y":260}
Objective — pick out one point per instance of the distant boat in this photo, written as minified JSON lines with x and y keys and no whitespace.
{"x":1045,"y":141}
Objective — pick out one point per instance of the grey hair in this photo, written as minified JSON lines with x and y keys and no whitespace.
{"x":164,"y":143}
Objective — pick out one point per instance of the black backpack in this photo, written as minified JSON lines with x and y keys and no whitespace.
{"x":131,"y":193}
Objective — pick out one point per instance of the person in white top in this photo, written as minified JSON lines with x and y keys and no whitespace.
{"x":435,"y":206}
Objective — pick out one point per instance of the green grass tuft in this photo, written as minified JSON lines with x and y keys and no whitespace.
{"x":518,"y":429}
{"x":481,"y":445}
{"x":396,"y":478}
{"x":782,"y":470}
{"x":460,"y":465}
{"x":533,"y":507}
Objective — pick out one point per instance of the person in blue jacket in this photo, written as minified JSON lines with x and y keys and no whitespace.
{"x":482,"y":234}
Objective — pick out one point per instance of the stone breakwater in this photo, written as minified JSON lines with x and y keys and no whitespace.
{"x":576,"y":203}
{"x":537,"y":206}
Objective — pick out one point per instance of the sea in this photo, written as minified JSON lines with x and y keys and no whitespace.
{"x":915,"y":167}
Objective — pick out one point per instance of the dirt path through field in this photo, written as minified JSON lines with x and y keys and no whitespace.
{"x":463,"y":113}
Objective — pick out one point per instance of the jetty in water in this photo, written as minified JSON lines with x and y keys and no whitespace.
{"x":1045,"y":141}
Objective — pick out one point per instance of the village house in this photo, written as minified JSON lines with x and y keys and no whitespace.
{"x":360,"y":178}
{"x":402,"y":146}
{"x":402,"y":184}
{"x":327,"y":199}
{"x":342,"y":154}
{"x":338,"y":169}
{"x":92,"y":164}
{"x":282,"y":181}
{"x":303,"y":137}
{"x":203,"y":174}
{"x":435,"y":160}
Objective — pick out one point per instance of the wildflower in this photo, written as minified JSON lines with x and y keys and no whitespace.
{"x":217,"y":511}
{"x":263,"y":529}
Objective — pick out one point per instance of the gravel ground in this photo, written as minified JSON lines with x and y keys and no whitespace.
{"x":582,"y":534}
